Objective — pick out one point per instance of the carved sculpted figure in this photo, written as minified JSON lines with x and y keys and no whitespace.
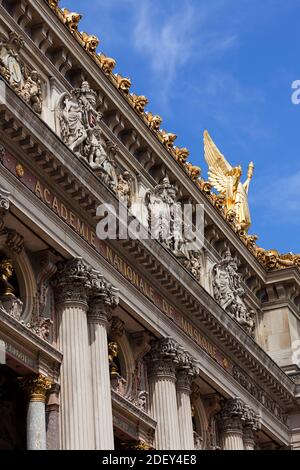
{"x":113,"y":350}
{"x":8,"y":299}
{"x":32,"y":91}
{"x":229,"y":293}
{"x":80,"y":130}
{"x":226,"y":180}
{"x":6,"y":271}
{"x":165,"y":215}
{"x":124,"y":187}
{"x":27,"y":85}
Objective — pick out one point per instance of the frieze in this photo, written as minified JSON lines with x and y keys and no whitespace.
{"x":257,"y":392}
{"x":19,"y":355}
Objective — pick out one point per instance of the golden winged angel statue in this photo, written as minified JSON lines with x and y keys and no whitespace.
{"x":227,"y":180}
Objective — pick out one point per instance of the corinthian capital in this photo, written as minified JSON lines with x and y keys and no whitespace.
{"x":232,"y":416}
{"x":252,"y":420}
{"x":185,"y":371}
{"x":72,"y":281}
{"x":103,"y":298}
{"x":162,"y":359}
{"x":36,"y":387}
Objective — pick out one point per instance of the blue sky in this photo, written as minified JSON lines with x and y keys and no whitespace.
{"x":222,"y":65}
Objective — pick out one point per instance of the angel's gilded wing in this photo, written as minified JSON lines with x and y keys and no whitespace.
{"x":217,"y":163}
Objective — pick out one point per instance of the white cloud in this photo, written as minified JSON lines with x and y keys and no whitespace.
{"x":170,"y":38}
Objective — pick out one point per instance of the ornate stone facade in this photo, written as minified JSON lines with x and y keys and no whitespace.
{"x":124,"y":332}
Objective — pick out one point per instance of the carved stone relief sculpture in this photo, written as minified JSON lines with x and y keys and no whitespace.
{"x":26,"y":84}
{"x":164,"y":216}
{"x":79,"y":128}
{"x":229,"y":293}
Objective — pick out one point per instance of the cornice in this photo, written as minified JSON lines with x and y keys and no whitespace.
{"x":127,"y":406}
{"x":17,"y":330}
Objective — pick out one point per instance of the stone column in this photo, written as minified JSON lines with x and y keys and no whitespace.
{"x":231,"y":420}
{"x":162,"y":360}
{"x":103,"y":300}
{"x":183,"y":386}
{"x":72,"y":286}
{"x":248,"y":438}
{"x":36,"y":387}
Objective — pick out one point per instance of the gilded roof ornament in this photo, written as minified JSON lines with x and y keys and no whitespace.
{"x":106,"y":63}
{"x":123,"y":83}
{"x":90,"y":42}
{"x":194,"y":172}
{"x":272,"y":259}
{"x":154,"y":121}
{"x":71,"y":19}
{"x":168,"y":139}
{"x":54,"y":4}
{"x":139,"y":102}
{"x":227,"y":180}
{"x":181,"y":155}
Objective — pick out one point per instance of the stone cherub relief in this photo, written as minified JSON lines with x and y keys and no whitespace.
{"x":229,"y":293}
{"x":26,"y":83}
{"x":79,"y":127}
{"x":8,"y":299}
{"x":227,"y":180}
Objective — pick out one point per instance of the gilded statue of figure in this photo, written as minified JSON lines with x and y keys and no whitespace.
{"x":113,"y":350}
{"x":6,"y":271}
{"x":227,"y":180}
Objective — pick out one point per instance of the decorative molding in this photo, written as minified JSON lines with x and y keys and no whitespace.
{"x":257,"y":392}
{"x":14,"y":241}
{"x":117,"y":327}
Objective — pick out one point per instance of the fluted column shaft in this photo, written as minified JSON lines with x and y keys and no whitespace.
{"x":163,"y":399}
{"x":76,"y":406}
{"x":103,"y":418}
{"x":36,"y":387}
{"x":185,"y":410}
{"x":248,"y":438}
{"x":232,"y":435}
